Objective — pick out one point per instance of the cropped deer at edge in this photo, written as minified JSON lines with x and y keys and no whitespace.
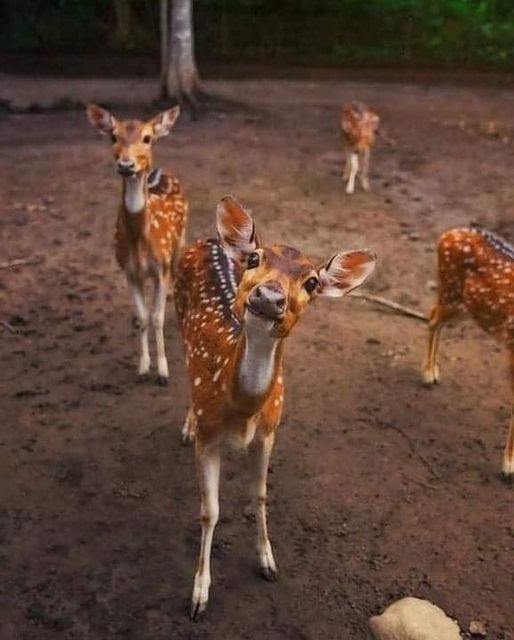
{"x":476,"y":274}
{"x":151,"y":222}
{"x":360,"y":125}
{"x":237,"y":301}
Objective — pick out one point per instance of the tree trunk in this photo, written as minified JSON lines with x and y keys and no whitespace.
{"x":179,"y":76}
{"x":123,"y":36}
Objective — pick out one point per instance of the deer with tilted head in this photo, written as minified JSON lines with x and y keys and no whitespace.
{"x":237,"y":301}
{"x":476,"y":274}
{"x":151,"y":221}
{"x":360,"y":126}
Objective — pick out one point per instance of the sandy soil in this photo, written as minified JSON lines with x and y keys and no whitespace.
{"x":380,"y":488}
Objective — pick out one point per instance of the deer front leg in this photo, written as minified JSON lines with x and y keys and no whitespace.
{"x":208,"y":466}
{"x":260,"y":452}
{"x":353,"y":160}
{"x":137,"y":291}
{"x":159,"y":311}
{"x":508,"y":454}
{"x":364,"y":175}
{"x":430,"y":369}
{"x":189,"y":428}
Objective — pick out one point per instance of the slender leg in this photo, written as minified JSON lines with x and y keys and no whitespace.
{"x":260,"y":452}
{"x":364,"y":175}
{"x":208,"y":466}
{"x":159,"y":310}
{"x":189,"y":428}
{"x":354,"y":167}
{"x":508,"y":455}
{"x":137,"y":290}
{"x":346,"y":171}
{"x":430,"y":370}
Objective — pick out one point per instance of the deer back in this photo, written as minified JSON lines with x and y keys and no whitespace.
{"x":476,"y":271}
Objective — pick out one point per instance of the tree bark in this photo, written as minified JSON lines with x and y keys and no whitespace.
{"x":123,"y":36}
{"x":179,"y":75}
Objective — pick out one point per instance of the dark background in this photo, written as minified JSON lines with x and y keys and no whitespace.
{"x":434,"y":33}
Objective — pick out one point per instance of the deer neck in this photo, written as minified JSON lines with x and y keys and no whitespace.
{"x":133,"y":206}
{"x":258,"y":359}
{"x":135,"y":194}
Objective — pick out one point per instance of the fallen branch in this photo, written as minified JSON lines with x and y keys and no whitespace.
{"x":6,"y":325}
{"x":396,"y":306}
{"x":20,"y":262}
{"x":426,"y":485}
{"x":408,"y":439}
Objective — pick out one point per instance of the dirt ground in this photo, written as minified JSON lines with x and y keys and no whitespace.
{"x":380,"y":487}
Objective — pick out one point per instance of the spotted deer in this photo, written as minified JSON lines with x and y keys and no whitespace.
{"x":151,"y":220}
{"x":360,"y":125}
{"x":476,"y":274}
{"x":237,"y":301}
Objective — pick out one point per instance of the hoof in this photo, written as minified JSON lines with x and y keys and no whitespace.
{"x":186,"y":439}
{"x":143,"y":378}
{"x":507,"y":478}
{"x":269,"y":574}
{"x":197,"y":610}
{"x":430,"y":376}
{"x":162,"y":381}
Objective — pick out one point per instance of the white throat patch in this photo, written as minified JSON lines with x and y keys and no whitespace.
{"x":134,"y":194}
{"x":258,"y":361}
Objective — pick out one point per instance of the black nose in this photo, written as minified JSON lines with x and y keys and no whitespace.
{"x":126,"y":166}
{"x":268,"y":299}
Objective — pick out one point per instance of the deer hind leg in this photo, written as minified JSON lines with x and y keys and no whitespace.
{"x":158,"y":315}
{"x":508,"y":454}
{"x":208,"y":467}
{"x":260,"y":452}
{"x":353,"y":161}
{"x":430,"y":369}
{"x":138,"y":296}
{"x":364,"y":174}
{"x":189,"y":428}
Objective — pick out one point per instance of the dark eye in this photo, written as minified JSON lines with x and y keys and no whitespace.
{"x":253,"y":260}
{"x":113,"y":138}
{"x":147,"y":139}
{"x":311,"y":284}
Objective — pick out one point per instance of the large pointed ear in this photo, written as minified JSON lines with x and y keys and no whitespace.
{"x":236,"y":229}
{"x":346,"y":271}
{"x":101,"y":119}
{"x":163,"y":123}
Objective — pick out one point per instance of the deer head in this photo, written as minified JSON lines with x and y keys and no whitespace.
{"x":132,"y":139}
{"x":277,"y":282}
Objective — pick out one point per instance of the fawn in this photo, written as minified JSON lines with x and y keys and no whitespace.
{"x":476,"y":273}
{"x":151,"y":221}
{"x":360,"y":125}
{"x":237,"y":300}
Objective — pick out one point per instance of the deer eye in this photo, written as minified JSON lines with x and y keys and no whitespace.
{"x":113,"y":138}
{"x":311,"y":284}
{"x":147,"y":139}
{"x":253,"y":260}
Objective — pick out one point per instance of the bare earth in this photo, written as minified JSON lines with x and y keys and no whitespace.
{"x":380,"y":488}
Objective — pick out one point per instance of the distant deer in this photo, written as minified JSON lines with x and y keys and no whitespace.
{"x":237,"y":301}
{"x":360,"y":125}
{"x":476,"y":273}
{"x":151,"y":220}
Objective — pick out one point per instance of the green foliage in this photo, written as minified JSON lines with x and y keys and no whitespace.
{"x":383,"y":32}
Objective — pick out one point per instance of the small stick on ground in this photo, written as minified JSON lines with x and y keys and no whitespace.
{"x":6,"y":325}
{"x":20,"y":262}
{"x":390,"y":304}
{"x":426,"y":485}
{"x":408,"y":439}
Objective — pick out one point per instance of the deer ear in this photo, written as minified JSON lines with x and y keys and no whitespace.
{"x":346,"y":271}
{"x":163,"y":123}
{"x":101,"y":119}
{"x":236,"y":229}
